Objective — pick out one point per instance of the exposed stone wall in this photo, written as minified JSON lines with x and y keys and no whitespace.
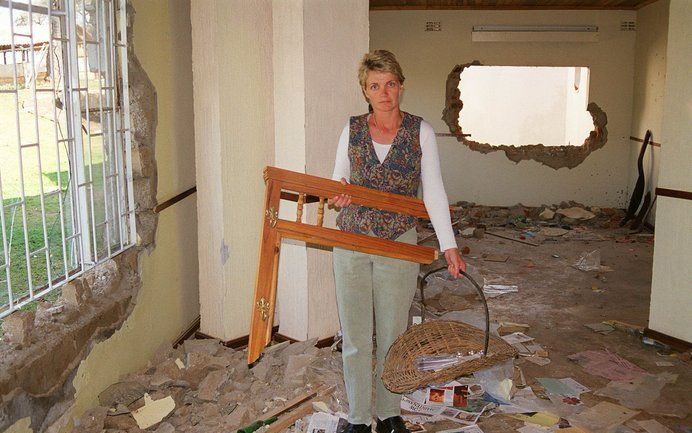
{"x":42,"y":350}
{"x":552,"y":156}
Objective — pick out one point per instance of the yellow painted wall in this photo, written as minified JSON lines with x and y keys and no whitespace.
{"x":168,"y":301}
{"x":428,"y":57}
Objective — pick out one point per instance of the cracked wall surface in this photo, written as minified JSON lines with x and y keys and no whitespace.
{"x":36,"y":378}
{"x":553,"y":156}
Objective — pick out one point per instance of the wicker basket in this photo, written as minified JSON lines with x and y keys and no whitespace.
{"x":436,"y":338}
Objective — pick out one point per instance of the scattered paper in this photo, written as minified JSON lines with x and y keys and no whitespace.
{"x":322,"y":422}
{"x":605,"y":415}
{"x":653,"y":426}
{"x":468,"y":429}
{"x":456,"y":396}
{"x":600,"y":327}
{"x":509,"y":327}
{"x":556,"y":387}
{"x":532,"y":428}
{"x":461,"y":416}
{"x":494,"y":290}
{"x":410,"y":405}
{"x":639,"y":393}
{"x":501,"y":258}
{"x":516,"y":337}
{"x":664,"y":364}
{"x":606,"y":364}
{"x":541,"y":418}
{"x":576,"y":386}
{"x":179,"y":363}
{"x":538,"y":360}
{"x":153,"y":411}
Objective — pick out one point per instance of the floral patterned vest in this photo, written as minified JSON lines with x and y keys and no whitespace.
{"x":399,"y":174}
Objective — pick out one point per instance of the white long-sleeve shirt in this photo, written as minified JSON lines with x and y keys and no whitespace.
{"x":434,"y":195}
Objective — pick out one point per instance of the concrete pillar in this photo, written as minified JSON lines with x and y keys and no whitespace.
{"x":234,"y":140}
{"x":317,"y":47}
{"x":274,"y":83}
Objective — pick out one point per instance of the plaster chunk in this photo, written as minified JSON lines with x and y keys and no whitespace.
{"x":165,"y":427}
{"x":547,"y":214}
{"x":209,"y":387}
{"x":261,"y":369}
{"x":143,"y":163}
{"x":119,"y":422}
{"x":208,"y":345}
{"x":294,"y":374}
{"x":576,"y":213}
{"x":124,"y":393}
{"x":18,"y":327}
{"x":92,"y":421}
{"x":76,"y":293}
{"x":239,"y":417}
{"x":298,"y":348}
{"x":104,"y":278}
{"x":153,"y":411}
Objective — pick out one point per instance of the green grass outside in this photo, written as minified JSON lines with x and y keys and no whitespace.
{"x":54,"y":166}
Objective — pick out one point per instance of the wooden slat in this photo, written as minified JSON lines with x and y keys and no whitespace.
{"x":318,"y":186}
{"x":674,"y":193}
{"x":351,"y":241}
{"x":267,"y":268}
{"x":285,"y":184}
{"x":641,"y":140}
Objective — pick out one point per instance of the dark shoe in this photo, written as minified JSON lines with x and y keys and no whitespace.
{"x":391,"y":425}
{"x":356,"y":428}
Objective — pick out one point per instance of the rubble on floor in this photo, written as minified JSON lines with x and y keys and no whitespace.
{"x":582,"y":365}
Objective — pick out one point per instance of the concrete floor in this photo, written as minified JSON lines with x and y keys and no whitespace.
{"x":556,"y":300}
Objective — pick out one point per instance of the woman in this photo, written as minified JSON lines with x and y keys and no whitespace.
{"x":393,"y":151}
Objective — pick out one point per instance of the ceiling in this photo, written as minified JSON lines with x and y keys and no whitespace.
{"x":508,"y":4}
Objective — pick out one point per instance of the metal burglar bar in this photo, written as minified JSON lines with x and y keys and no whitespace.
{"x":66,"y":193}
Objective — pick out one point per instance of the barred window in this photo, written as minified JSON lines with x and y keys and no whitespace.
{"x":65,"y":171}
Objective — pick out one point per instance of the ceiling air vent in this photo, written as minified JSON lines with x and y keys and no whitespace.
{"x":628,"y":26}
{"x":433,"y":26}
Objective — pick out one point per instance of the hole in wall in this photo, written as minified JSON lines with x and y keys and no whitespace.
{"x":538,"y":113}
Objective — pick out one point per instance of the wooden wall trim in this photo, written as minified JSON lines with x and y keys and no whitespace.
{"x":171,"y":201}
{"x":641,"y":140}
{"x":675,"y":343}
{"x":674,"y":193}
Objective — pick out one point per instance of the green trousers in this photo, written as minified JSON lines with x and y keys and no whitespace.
{"x":367,"y":283}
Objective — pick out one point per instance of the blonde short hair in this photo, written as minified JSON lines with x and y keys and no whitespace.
{"x":379,"y":61}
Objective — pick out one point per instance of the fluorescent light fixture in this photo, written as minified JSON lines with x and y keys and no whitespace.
{"x":536,"y":28}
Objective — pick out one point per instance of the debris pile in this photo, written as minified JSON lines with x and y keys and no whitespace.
{"x":203,"y":386}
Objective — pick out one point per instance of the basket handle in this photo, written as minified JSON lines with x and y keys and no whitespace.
{"x":423,"y":282}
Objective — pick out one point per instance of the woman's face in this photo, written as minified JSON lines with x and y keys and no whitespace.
{"x":382,"y":90}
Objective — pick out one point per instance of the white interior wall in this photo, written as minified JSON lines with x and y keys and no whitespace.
{"x":317,"y":47}
{"x":649,"y":89}
{"x":499,"y":90}
{"x":671,"y":297}
{"x":428,"y":57}
{"x":336,"y":37}
{"x":234,"y":140}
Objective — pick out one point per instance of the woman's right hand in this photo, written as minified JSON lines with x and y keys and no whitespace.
{"x":340,"y":200}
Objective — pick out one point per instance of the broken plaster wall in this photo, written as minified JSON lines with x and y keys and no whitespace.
{"x":492,"y":179}
{"x":157,"y":298}
{"x":649,"y":89}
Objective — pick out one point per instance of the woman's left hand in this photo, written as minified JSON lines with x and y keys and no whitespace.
{"x":455,"y":263}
